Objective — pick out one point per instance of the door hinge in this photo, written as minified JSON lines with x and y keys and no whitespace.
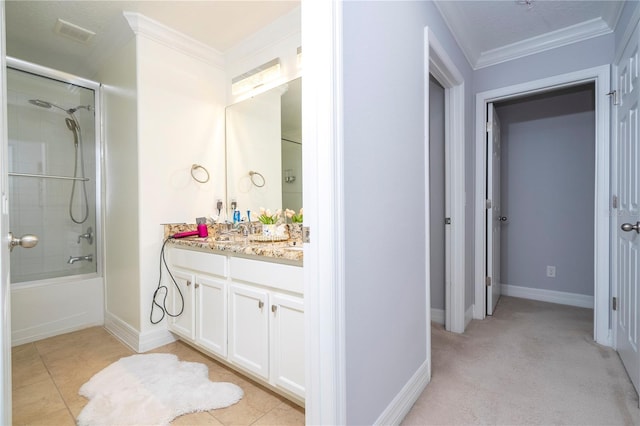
{"x":489,"y":126}
{"x":306,"y":234}
{"x":487,"y":204}
{"x":488,"y":281}
{"x":447,"y":221}
{"x":614,"y":304}
{"x":614,"y":202}
{"x":614,"y":97}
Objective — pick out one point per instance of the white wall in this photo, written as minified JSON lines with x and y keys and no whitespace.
{"x":164,"y":112}
{"x":181,"y":122}
{"x":547,"y":180}
{"x":121,"y":239}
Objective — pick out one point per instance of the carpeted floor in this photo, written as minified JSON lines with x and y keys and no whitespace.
{"x":531,"y":363}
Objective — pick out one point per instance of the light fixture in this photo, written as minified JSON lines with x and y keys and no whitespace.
{"x":256,"y":77}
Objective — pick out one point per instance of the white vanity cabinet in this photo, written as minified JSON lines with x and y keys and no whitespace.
{"x":266,"y":334}
{"x":202,"y":279}
{"x":249,"y":328}
{"x":211,"y":309}
{"x":181,"y":306}
{"x":249,"y":312}
{"x":287,"y":342}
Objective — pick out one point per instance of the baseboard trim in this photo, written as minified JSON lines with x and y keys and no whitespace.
{"x":552,"y":296}
{"x":121,"y":330}
{"x":155,"y":338}
{"x":138,"y":341}
{"x":437,"y":316}
{"x":404,"y":400}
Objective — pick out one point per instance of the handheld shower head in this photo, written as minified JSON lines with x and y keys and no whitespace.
{"x":71,"y":125}
{"x":40,"y":103}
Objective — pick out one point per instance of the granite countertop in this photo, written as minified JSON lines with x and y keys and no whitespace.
{"x":235,"y":244}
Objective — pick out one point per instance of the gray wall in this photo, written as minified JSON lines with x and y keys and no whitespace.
{"x":574,"y":57}
{"x":386,"y":301}
{"x":547,"y":188}
{"x":436,"y":193}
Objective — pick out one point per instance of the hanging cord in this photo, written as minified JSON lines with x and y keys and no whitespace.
{"x":163,"y":305}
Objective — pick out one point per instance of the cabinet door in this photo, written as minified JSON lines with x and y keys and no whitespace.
{"x":287,"y":343}
{"x":182,"y":324}
{"x":211,"y":324}
{"x":249,"y":329}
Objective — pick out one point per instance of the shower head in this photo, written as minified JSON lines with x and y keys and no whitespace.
{"x":40,"y":103}
{"x":71,"y":125}
{"x":45,"y":104}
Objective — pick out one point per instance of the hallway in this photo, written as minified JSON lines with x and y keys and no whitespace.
{"x":531,"y":363}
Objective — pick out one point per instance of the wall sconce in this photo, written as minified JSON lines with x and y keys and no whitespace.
{"x":256,"y":77}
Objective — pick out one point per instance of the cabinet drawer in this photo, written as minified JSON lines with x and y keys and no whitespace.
{"x":203,"y":262}
{"x":275,"y":275}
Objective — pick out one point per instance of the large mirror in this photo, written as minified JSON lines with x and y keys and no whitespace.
{"x":264,"y":150}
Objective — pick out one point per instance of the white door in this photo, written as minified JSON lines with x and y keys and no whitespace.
{"x":627,"y":220}
{"x":5,"y":324}
{"x":494,"y":219}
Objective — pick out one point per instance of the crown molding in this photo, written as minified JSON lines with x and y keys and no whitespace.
{"x":457,"y":29}
{"x":554,"y":39}
{"x":160,"y":33}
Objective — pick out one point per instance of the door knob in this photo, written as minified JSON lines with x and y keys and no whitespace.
{"x":26,"y":241}
{"x":502,"y":218}
{"x":627,"y":227}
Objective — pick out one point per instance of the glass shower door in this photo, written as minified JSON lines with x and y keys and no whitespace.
{"x":52,"y":176}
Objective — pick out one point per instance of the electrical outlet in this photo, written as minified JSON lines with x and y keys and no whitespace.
{"x":551,"y":271}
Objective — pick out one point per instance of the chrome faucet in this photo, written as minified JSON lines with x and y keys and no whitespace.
{"x":74,"y":259}
{"x":87,"y":235}
{"x":246,"y":228}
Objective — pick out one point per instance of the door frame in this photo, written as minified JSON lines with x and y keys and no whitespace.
{"x":5,"y":291}
{"x":447,"y":74}
{"x":323,"y":186}
{"x":600,"y":76}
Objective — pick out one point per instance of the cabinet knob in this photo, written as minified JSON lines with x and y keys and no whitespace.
{"x":260,"y":304}
{"x":197,"y":285}
{"x":188,"y":283}
{"x":274,"y":308}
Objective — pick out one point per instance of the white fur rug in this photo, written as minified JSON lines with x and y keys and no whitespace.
{"x":152,"y":389}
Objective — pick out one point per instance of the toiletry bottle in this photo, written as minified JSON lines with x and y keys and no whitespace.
{"x":236,"y":216}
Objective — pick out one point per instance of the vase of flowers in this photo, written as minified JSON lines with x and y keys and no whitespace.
{"x":295,"y":227}
{"x":269,"y":221}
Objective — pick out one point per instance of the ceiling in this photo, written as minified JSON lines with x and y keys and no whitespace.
{"x":217,"y":24}
{"x":491,"y":32}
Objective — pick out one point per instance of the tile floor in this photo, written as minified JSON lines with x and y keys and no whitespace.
{"x":47,"y":375}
